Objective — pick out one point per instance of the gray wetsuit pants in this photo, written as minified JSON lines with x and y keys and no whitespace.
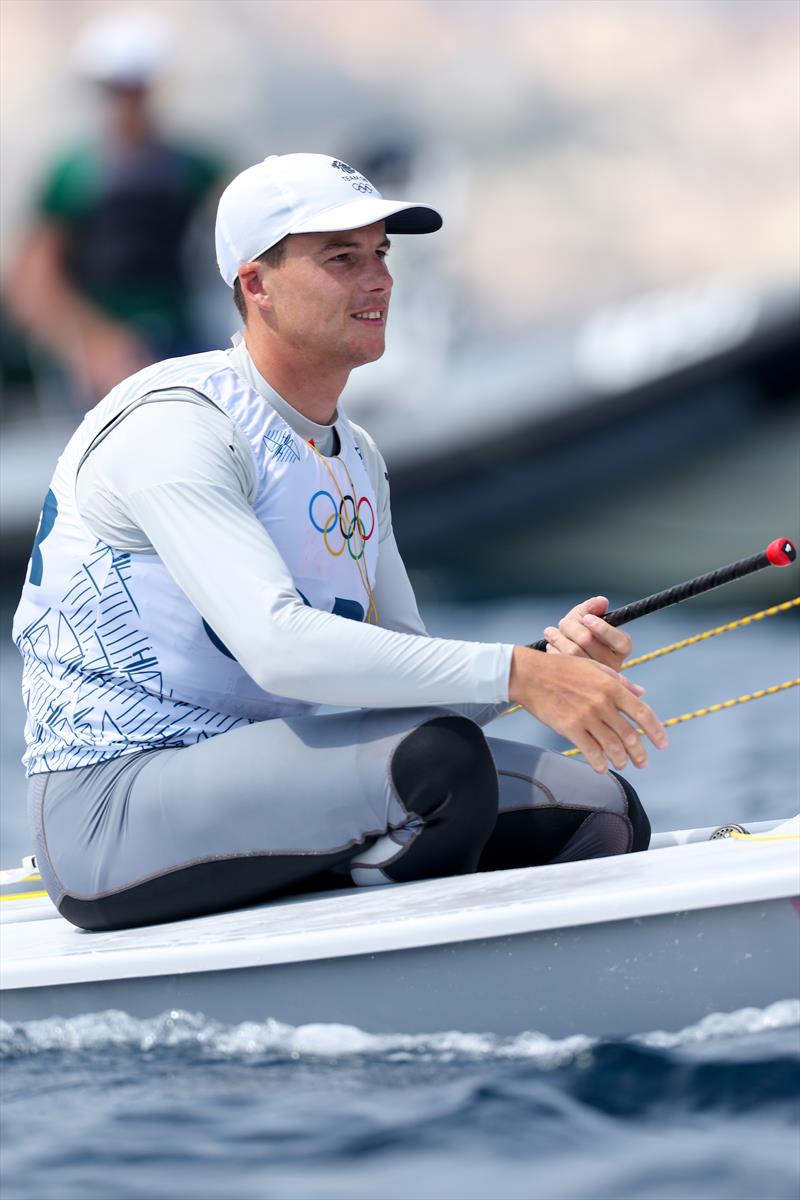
{"x":373,"y":796}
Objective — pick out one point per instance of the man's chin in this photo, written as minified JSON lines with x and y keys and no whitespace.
{"x":362,"y":355}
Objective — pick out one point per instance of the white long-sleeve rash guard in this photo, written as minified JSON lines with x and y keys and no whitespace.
{"x":176,"y":476}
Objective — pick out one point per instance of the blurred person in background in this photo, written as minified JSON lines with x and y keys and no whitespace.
{"x":100,"y":282}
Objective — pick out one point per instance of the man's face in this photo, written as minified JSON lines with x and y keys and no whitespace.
{"x":329,"y":298}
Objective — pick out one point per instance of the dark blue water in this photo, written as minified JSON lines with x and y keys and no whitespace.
{"x":105,"y":1107}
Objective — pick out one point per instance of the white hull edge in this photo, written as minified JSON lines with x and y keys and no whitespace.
{"x":617,"y":945}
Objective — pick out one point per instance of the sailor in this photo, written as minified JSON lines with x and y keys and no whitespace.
{"x":215,"y":560}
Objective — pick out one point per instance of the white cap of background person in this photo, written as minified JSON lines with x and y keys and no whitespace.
{"x":304,"y":193}
{"x":123,"y":47}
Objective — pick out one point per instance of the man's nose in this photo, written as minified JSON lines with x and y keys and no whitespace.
{"x":379,"y":278}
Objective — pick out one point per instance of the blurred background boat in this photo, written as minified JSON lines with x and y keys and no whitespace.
{"x":652,"y":441}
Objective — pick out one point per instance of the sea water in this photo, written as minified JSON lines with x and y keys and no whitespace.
{"x":105,"y":1106}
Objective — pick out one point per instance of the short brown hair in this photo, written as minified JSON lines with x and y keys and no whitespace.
{"x":273,"y":258}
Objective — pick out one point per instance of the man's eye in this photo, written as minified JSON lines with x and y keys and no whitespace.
{"x":340,"y":258}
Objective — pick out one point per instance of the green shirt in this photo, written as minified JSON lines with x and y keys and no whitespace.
{"x":126,"y":216}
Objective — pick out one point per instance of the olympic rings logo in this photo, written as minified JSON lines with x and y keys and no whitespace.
{"x":343,"y":520}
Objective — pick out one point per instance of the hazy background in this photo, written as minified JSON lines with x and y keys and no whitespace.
{"x":595,"y":149}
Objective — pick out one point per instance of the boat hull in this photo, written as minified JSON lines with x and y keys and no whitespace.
{"x":619,"y":977}
{"x":603,"y":947}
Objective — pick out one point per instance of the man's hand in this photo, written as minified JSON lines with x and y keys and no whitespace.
{"x":584,"y":633}
{"x":586,"y":702}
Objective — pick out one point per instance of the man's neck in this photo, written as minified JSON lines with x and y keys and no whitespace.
{"x":313,"y":391}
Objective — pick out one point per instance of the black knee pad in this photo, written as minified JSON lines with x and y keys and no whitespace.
{"x":443,"y":772}
{"x":638,"y":818}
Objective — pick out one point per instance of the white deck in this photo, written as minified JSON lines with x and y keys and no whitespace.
{"x":682,"y":878}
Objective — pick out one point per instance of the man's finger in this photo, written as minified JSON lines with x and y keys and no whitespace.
{"x":595,"y":604}
{"x":635,"y":689}
{"x":578,"y":640}
{"x":611,"y":744}
{"x":619,"y":641}
{"x":564,"y":644}
{"x":591,"y":750}
{"x":603,"y":655}
{"x":631,"y":739}
{"x":643,"y":716}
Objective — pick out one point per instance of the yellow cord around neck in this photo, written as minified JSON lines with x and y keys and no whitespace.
{"x":356,"y":528}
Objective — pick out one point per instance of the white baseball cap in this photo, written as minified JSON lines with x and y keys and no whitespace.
{"x":124,"y":46}
{"x":303,"y":193}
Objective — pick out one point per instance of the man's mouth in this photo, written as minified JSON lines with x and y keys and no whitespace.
{"x":374,"y":314}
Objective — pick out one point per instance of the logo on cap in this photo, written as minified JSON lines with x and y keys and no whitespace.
{"x":353,"y":177}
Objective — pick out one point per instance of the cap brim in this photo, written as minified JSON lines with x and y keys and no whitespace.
{"x":399,"y":217}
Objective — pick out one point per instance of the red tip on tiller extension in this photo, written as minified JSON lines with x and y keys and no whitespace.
{"x":781,"y":552}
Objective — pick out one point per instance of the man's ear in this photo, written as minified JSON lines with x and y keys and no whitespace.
{"x":253,"y":285}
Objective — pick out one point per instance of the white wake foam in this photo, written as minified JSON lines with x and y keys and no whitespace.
{"x":783,"y":1015}
{"x":117,"y":1030}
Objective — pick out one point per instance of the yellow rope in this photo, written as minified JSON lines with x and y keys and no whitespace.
{"x":764,"y":837}
{"x":715,"y":708}
{"x":702,"y":637}
{"x":363,"y":572}
{"x":691,"y":641}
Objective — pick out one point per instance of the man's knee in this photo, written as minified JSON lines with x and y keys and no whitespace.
{"x":554,"y":810}
{"x":635,"y":814}
{"x":613,"y":822}
{"x":444,"y":776}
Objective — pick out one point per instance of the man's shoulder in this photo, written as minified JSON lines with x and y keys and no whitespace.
{"x":363,"y":439}
{"x":371,"y":457}
{"x":188,"y":371}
